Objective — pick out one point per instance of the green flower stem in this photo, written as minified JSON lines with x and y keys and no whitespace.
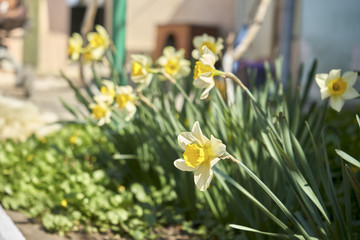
{"x":238,"y":81}
{"x":145,"y":100}
{"x":270,"y":194}
{"x":186,"y":96}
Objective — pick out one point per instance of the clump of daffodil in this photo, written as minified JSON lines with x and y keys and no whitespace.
{"x":125,"y":100}
{"x":336,"y":87}
{"x":204,"y":72}
{"x":200,"y":155}
{"x":99,"y":42}
{"x":141,"y":71}
{"x":213,"y":45}
{"x":107,"y":92}
{"x":173,"y":62}
{"x":75,"y":46}
{"x":101,"y":112}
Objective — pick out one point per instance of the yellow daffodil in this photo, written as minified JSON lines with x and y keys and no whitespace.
{"x":107,"y":93}
{"x":75,"y":46}
{"x":125,"y":98}
{"x":141,"y":71}
{"x":213,"y":45}
{"x":173,"y":62}
{"x":99,"y":42}
{"x":205,"y":71}
{"x":338,"y":88}
{"x":200,"y":155}
{"x":100,"y":112}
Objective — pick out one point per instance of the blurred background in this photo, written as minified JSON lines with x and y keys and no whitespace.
{"x":301,"y":31}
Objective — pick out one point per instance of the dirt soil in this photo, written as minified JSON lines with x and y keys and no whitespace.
{"x":33,"y":230}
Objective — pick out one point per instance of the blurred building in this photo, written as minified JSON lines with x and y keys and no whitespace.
{"x":323,"y":29}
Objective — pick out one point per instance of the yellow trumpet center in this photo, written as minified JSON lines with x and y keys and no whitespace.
{"x":172,"y":66}
{"x":201,"y":68}
{"x":136,"y":69}
{"x":73,"y":49}
{"x":123,"y":99}
{"x":195,"y":155}
{"x":337,"y":87}
{"x":211,"y":46}
{"x":99,"y":112}
{"x":87,"y":54}
{"x":97,"y":41}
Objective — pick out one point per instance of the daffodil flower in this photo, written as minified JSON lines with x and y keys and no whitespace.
{"x":213,"y":45}
{"x":173,"y":62}
{"x":100,"y":112}
{"x":338,"y":88}
{"x":107,"y":93}
{"x":86,"y":55}
{"x":141,"y":71}
{"x":200,"y":155}
{"x":125,"y":98}
{"x":99,"y":42}
{"x":204,"y":72}
{"x":75,"y":46}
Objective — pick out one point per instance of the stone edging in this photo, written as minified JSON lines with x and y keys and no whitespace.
{"x":8,"y":230}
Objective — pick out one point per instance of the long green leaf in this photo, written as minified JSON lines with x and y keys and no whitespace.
{"x":354,"y":183}
{"x":348,"y":158}
{"x":277,"y":235}
{"x":252,"y":199}
{"x":275,"y":199}
{"x":332,"y":197}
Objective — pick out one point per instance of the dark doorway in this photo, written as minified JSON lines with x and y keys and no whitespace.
{"x":77,"y":16}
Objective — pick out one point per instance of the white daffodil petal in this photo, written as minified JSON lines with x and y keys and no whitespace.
{"x":131,"y":110}
{"x":196,"y":54}
{"x":205,"y":93}
{"x":162,"y":60}
{"x":208,"y":58}
{"x":199,"y":40}
{"x":103,"y":98}
{"x":185,"y":138}
{"x":350,"y":93}
{"x":334,"y":74}
{"x":217,"y":147}
{"x":197,"y":133}
{"x":214,"y":161}
{"x":181,"y":165}
{"x":98,"y":52}
{"x":169,"y":51}
{"x":324,"y":93}
{"x":350,"y":78}
{"x":101,"y":122}
{"x":320,"y":79}
{"x":203,"y":176}
{"x":203,"y":82}
{"x":336,"y":102}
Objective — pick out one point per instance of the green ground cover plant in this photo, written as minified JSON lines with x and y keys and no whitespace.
{"x":69,"y":181}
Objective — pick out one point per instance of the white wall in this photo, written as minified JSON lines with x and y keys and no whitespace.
{"x":330,"y":32}
{"x":143,"y":17}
